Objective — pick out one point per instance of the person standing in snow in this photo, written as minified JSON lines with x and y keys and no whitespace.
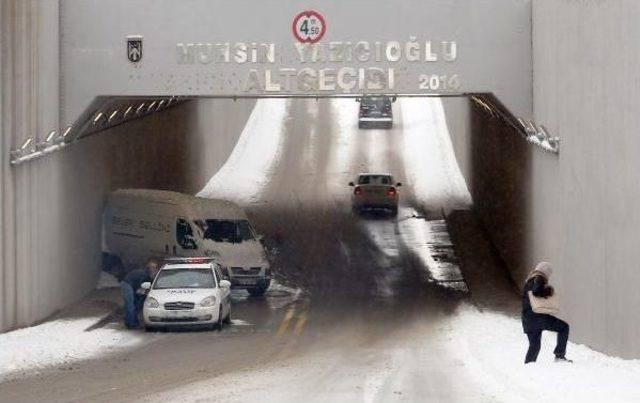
{"x":133,"y":295}
{"x":536,"y":300}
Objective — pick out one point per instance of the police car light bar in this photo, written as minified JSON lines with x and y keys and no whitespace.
{"x":194,"y":260}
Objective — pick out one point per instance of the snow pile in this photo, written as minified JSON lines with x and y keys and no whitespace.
{"x":493,"y":346}
{"x":430,"y":163}
{"x":247,"y":171}
{"x":58,"y":343}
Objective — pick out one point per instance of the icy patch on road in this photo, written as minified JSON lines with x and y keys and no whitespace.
{"x":58,"y":343}
{"x":240,"y":322}
{"x":248,"y":169}
{"x":493,"y":346}
{"x":430,"y":162}
{"x":430,"y":242}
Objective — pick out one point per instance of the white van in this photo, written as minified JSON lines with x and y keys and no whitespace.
{"x":139,"y":223}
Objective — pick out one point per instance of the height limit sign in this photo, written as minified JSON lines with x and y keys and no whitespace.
{"x":309,"y":27}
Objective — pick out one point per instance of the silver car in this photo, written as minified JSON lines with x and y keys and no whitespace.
{"x":375,"y":191}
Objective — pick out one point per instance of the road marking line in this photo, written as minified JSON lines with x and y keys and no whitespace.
{"x":285,"y":321}
{"x":302,"y":320}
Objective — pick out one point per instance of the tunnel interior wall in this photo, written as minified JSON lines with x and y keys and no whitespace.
{"x":576,"y":209}
{"x":514,"y":185}
{"x":50,"y":227}
{"x":586,"y":58}
{"x":60,"y":198}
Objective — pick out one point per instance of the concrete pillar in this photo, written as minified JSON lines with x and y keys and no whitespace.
{"x":29,"y":71}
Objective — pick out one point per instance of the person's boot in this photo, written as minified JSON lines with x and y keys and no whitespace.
{"x":562,"y":359}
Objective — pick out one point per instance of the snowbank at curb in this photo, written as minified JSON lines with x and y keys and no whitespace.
{"x":493,"y":346}
{"x":58,"y":343}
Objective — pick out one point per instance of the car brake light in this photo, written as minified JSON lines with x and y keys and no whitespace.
{"x":391,"y":191}
{"x":357,"y":191}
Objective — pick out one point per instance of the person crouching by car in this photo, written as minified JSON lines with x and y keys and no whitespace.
{"x":133,"y":295}
{"x":539,"y":311}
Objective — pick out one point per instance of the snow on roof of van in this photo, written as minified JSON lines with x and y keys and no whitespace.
{"x":200,"y":207}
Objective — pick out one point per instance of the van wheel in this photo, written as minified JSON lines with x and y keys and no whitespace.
{"x":257,"y":292}
{"x":149,"y":329}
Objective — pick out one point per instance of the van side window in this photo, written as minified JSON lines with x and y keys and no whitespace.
{"x":184,"y":234}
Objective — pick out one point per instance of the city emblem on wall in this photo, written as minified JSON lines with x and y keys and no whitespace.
{"x":134,"y":48}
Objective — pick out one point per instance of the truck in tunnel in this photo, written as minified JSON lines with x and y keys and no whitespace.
{"x":139,"y":223}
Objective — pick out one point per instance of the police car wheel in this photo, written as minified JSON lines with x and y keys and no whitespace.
{"x":219,"y":323}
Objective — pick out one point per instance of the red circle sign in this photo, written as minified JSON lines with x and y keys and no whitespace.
{"x":309,"y":27}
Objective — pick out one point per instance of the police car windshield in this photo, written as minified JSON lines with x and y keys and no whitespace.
{"x":232,"y":231}
{"x":184,"y":278}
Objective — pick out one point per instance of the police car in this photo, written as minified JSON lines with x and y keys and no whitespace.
{"x":375,"y":111}
{"x":187,"y":292}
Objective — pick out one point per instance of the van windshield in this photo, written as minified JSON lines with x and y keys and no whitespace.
{"x":232,"y":231}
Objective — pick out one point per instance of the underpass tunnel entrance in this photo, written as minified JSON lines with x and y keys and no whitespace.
{"x":289,"y":162}
{"x":127,"y":63}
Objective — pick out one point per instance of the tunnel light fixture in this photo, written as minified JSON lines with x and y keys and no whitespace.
{"x":539,"y":136}
{"x":113,"y":115}
{"x":51,"y":136}
{"x":99,"y":116}
{"x":33,"y":148}
{"x":66,"y":132}
{"x":484,"y":105}
{"x":127,"y":112}
{"x":25,"y":146}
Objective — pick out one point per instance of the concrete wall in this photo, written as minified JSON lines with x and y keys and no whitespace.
{"x":576,"y":209}
{"x":586,"y":58}
{"x":51,"y":207}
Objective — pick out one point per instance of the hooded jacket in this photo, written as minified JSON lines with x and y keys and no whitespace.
{"x":538,"y":283}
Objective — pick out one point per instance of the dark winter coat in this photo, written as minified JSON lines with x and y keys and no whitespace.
{"x":531,"y":321}
{"x":136,"y":277}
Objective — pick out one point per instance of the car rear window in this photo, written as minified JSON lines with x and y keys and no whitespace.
{"x":376,"y":103}
{"x":374,"y":180}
